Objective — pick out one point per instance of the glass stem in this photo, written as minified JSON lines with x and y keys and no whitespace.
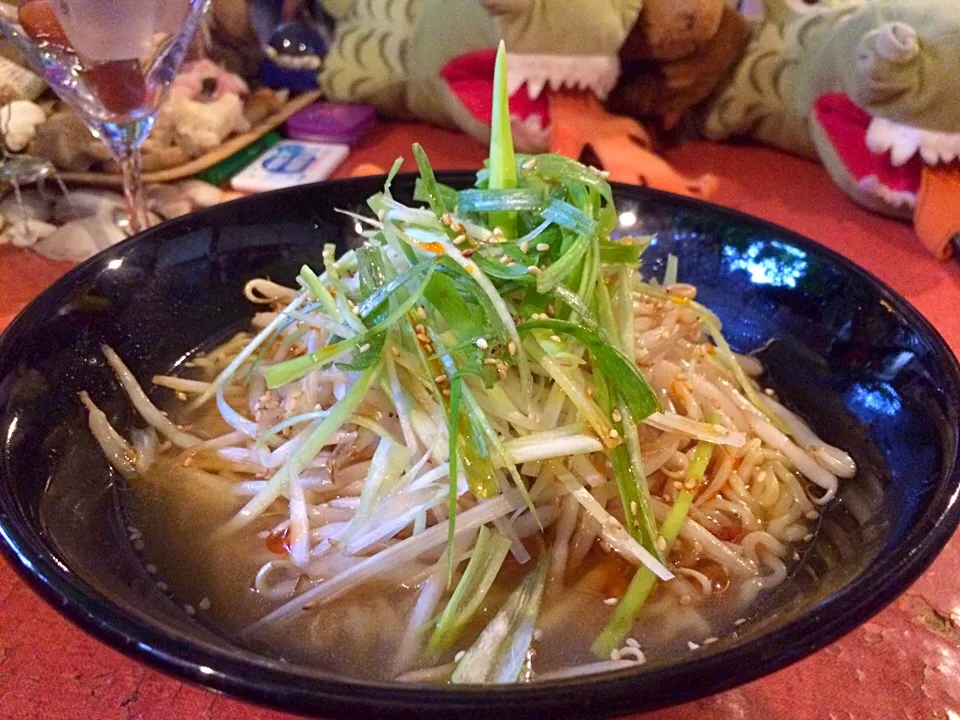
{"x":130,"y":174}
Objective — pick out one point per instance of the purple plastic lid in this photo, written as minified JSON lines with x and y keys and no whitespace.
{"x":331,"y":122}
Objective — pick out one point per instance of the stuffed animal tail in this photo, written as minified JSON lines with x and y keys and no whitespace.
{"x":621,"y":145}
{"x":937,"y":215}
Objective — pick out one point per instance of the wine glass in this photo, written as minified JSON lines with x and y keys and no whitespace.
{"x":111,"y":61}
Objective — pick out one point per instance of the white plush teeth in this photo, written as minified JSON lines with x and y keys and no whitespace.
{"x":896,"y":198}
{"x":535,"y":87}
{"x":904,"y":141}
{"x":880,"y":135}
{"x":598,"y":73}
{"x":947,"y":147}
{"x":530,"y":135}
{"x":515,"y":80}
{"x":930,"y":155}
{"x":905,"y":147}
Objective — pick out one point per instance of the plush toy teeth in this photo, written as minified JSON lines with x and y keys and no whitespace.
{"x":530,"y":131}
{"x":598,"y":73}
{"x":896,"y":198}
{"x":904,"y":141}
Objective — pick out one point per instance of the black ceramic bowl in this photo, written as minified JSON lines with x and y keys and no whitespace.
{"x":867,"y":371}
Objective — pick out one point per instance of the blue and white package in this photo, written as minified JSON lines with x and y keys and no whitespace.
{"x":289,"y":163}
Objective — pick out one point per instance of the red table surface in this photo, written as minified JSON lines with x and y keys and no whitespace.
{"x":905,"y":663}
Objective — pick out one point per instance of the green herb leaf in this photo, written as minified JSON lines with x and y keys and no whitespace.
{"x":503,"y":162}
{"x":489,"y":552}
{"x":501,"y":200}
{"x":429,"y":186}
{"x":622,"y":374}
{"x":500,"y":653}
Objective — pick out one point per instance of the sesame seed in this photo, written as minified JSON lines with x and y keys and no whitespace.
{"x":505,"y":259}
{"x":808,"y":537}
{"x":710,"y":640}
{"x":482,"y":344}
{"x":812,"y":515}
{"x":534,"y":270}
{"x":151,"y":568}
{"x":542,"y":247}
{"x":530,"y":164}
{"x":498,"y":232}
{"x":422,"y":311}
{"x":419,"y":329}
{"x":189,"y":609}
{"x":555,"y":338}
{"x":162,"y":586}
{"x":692,"y":645}
{"x":634,"y":508}
{"x":614,"y":434}
{"x":661,"y":543}
{"x":768,"y":392}
{"x":616,"y":415}
{"x":685,"y":599}
{"x":364,"y":347}
{"x":610,"y":601}
{"x":445,"y":392}
{"x":456,"y":227}
{"x":739,"y":621}
{"x":524,"y":246}
{"x":204,"y":604}
{"x":395,"y":351}
{"x":490,"y":361}
{"x":459,"y":656}
{"x":442,"y":378}
{"x":446,"y":219}
{"x":589,"y":391}
{"x":459,"y":239}
{"x":512,"y":348}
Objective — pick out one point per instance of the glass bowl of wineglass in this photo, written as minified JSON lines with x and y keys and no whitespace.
{"x":111,"y":61}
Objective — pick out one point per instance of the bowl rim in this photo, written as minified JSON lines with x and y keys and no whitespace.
{"x":290,"y":689}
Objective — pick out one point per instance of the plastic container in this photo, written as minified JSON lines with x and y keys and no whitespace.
{"x":331,"y":123}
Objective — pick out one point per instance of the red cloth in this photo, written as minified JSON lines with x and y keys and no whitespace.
{"x":903,"y":664}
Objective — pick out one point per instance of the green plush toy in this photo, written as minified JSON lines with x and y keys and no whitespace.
{"x":434,"y":59}
{"x":869,"y":87}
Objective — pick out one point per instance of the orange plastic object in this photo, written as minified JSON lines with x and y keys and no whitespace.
{"x":937,"y":216}
{"x":366,"y":169}
{"x":620,"y":143}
